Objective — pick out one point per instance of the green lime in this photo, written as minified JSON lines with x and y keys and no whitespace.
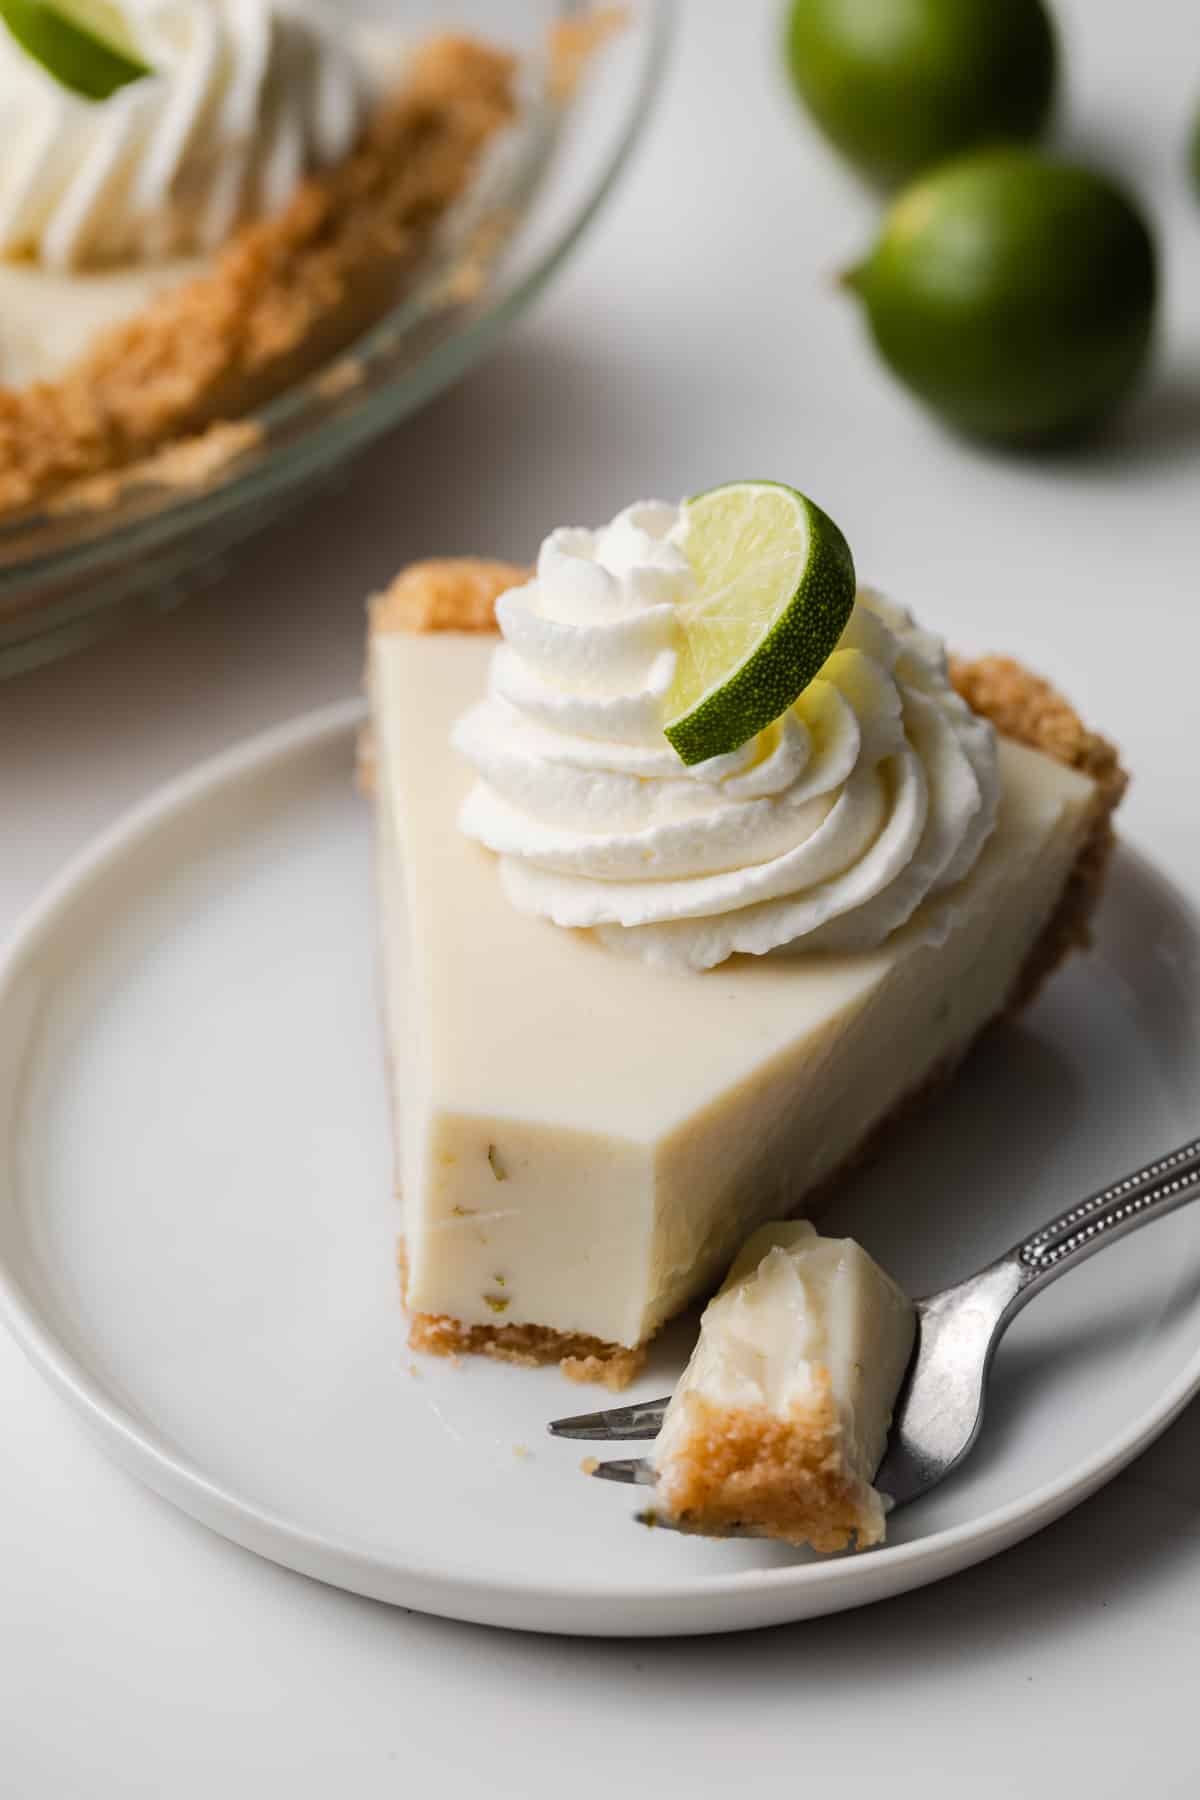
{"x":899,"y":84}
{"x":84,"y":44}
{"x":775,"y":585}
{"x":1013,"y":294}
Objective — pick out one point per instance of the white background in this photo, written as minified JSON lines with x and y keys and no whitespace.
{"x":696,"y":337}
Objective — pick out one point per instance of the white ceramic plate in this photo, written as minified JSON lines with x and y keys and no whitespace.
{"x":197,"y":1228}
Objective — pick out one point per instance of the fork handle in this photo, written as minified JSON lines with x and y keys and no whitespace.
{"x":1163,"y":1185}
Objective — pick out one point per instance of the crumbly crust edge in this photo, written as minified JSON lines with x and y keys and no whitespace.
{"x":783,"y":1476}
{"x":459,"y":594}
{"x":580,"y":1357}
{"x":1024,"y":707}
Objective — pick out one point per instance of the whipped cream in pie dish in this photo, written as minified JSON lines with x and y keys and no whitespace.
{"x":781,"y":1417}
{"x":868,"y":800}
{"x":243,"y":99}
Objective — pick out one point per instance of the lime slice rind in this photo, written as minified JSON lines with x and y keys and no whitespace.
{"x":776,"y":587}
{"x":83,"y":44}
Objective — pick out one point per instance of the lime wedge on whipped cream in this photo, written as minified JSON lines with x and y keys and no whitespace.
{"x":775,"y":586}
{"x":84,"y":44}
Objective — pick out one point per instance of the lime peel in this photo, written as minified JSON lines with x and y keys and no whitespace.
{"x":775,"y":587}
{"x":83,"y":44}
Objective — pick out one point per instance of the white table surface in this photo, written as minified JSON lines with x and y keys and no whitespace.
{"x":696,"y":337}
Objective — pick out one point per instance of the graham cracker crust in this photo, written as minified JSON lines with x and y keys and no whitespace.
{"x":285,"y":293}
{"x":1030,"y":711}
{"x":580,"y":1357}
{"x":448,"y":593}
{"x":786,"y":1477}
{"x":459,"y":594}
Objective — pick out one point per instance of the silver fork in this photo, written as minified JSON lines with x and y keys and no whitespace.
{"x":939,"y":1409}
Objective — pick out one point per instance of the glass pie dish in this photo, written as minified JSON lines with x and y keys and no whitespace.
{"x":97,"y":558}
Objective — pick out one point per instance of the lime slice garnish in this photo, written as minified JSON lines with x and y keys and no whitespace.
{"x":84,"y":44}
{"x":775,"y":585}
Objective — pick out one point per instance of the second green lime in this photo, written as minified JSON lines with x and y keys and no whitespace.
{"x":899,"y":84}
{"x":1013,"y":293}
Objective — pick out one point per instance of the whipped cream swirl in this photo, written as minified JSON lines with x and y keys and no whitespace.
{"x":245,"y":98}
{"x":827,"y":831}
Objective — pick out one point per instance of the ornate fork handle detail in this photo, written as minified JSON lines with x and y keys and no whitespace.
{"x":1160,"y":1187}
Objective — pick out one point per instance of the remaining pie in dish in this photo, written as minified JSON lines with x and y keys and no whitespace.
{"x":781,"y":1417}
{"x":184,"y":248}
{"x":636,"y":1008}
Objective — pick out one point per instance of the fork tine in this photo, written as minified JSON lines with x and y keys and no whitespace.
{"x":618,"y":1423}
{"x":660,"y":1522}
{"x":632,"y":1469}
{"x":635,"y":1471}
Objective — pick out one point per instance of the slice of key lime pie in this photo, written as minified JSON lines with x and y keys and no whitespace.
{"x":646,"y":991}
{"x":201,"y":201}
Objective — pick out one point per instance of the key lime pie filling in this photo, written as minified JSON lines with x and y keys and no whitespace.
{"x":249,"y":195}
{"x":781,"y":1417}
{"x":639,"y":1006}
